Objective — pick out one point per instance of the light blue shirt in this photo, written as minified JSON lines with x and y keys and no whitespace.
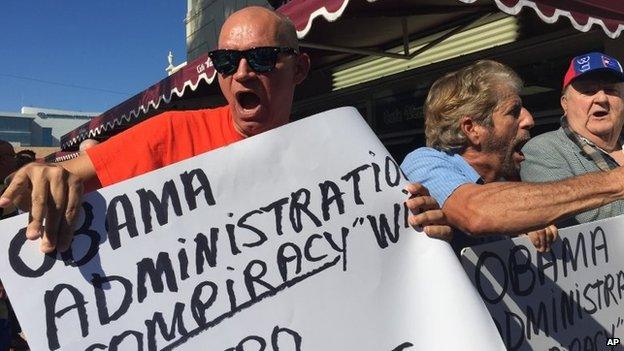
{"x":439,"y":171}
{"x":442,"y":173}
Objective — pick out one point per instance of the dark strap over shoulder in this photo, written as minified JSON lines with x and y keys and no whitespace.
{"x":590,"y":150}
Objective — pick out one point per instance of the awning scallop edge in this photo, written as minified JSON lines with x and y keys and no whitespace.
{"x":577,"y":12}
{"x":188,"y":78}
{"x":303,"y":13}
{"x":583,"y":15}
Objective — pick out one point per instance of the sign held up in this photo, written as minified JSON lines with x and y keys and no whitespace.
{"x":567,"y":299}
{"x":296,"y":239}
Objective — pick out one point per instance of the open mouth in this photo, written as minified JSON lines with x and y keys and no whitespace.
{"x":600,"y":114}
{"x":517,"y":150}
{"x":248,"y":100}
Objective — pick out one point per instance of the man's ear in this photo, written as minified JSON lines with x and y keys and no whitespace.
{"x":302,"y":67}
{"x":472,"y":130}
{"x":564,"y":103}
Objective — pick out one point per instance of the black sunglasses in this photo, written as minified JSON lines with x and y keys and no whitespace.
{"x":260,"y":59}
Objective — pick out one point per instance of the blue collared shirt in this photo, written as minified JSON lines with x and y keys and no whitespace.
{"x":442,"y":173}
{"x":439,"y":171}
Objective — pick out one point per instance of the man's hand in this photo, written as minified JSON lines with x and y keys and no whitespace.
{"x":542,"y":239}
{"x":52,"y":195}
{"x":426,"y":213}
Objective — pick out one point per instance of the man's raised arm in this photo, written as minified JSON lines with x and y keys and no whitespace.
{"x":513,"y":207}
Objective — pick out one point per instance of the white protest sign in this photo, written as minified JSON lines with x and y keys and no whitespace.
{"x":295,"y":239}
{"x":571,"y":298}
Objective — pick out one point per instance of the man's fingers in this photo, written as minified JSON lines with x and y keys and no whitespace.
{"x":542,"y":239}
{"x":417,"y":189}
{"x":57,"y":202}
{"x":551,"y":235}
{"x":547,"y":239}
{"x":433,"y":223}
{"x":430,"y":217}
{"x":51,"y":195}
{"x":426,"y":213}
{"x":65,"y":236}
{"x":443,"y":232}
{"x":66,"y":229}
{"x":39,"y":199}
{"x":19,"y":186}
{"x":22,"y":201}
{"x":554,"y":232}
{"x":421,"y":203}
{"x":541,"y":242}
{"x":47,"y":243}
{"x":535,"y":239}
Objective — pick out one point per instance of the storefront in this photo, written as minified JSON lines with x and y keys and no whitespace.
{"x":537,"y":41}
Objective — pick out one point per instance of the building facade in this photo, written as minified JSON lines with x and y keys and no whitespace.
{"x":38,"y":126}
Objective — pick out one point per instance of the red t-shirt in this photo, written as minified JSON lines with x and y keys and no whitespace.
{"x":160,"y":141}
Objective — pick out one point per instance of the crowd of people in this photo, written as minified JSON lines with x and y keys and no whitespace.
{"x":478,"y":148}
{"x":480,"y":177}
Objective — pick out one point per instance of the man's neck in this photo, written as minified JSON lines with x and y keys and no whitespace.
{"x":611,"y":147}
{"x":482,"y":163}
{"x":608,"y":143}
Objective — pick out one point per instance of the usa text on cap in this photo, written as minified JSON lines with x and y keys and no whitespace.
{"x":592,"y":62}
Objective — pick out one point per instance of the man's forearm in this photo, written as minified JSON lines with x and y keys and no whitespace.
{"x":515,"y":207}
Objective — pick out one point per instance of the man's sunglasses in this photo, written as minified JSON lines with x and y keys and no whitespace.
{"x":260,"y":59}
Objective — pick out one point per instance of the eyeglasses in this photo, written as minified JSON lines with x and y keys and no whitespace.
{"x":260,"y":59}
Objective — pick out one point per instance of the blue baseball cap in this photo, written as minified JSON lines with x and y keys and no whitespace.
{"x":592,"y":62}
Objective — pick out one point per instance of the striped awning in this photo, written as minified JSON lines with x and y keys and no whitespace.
{"x":130,"y":111}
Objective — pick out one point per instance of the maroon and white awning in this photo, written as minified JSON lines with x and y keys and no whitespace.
{"x":61,"y":156}
{"x":583,"y":14}
{"x":186,"y":79}
{"x":303,"y":13}
{"x":358,"y":24}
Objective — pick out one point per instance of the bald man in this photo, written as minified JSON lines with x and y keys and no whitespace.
{"x":258,"y":64}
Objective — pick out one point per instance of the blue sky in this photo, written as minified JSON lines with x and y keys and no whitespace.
{"x":113,"y":45}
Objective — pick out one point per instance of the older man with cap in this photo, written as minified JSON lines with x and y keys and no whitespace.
{"x":475,"y":126}
{"x":589,"y":139}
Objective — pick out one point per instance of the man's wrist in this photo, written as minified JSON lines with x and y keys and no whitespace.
{"x":617,"y":178}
